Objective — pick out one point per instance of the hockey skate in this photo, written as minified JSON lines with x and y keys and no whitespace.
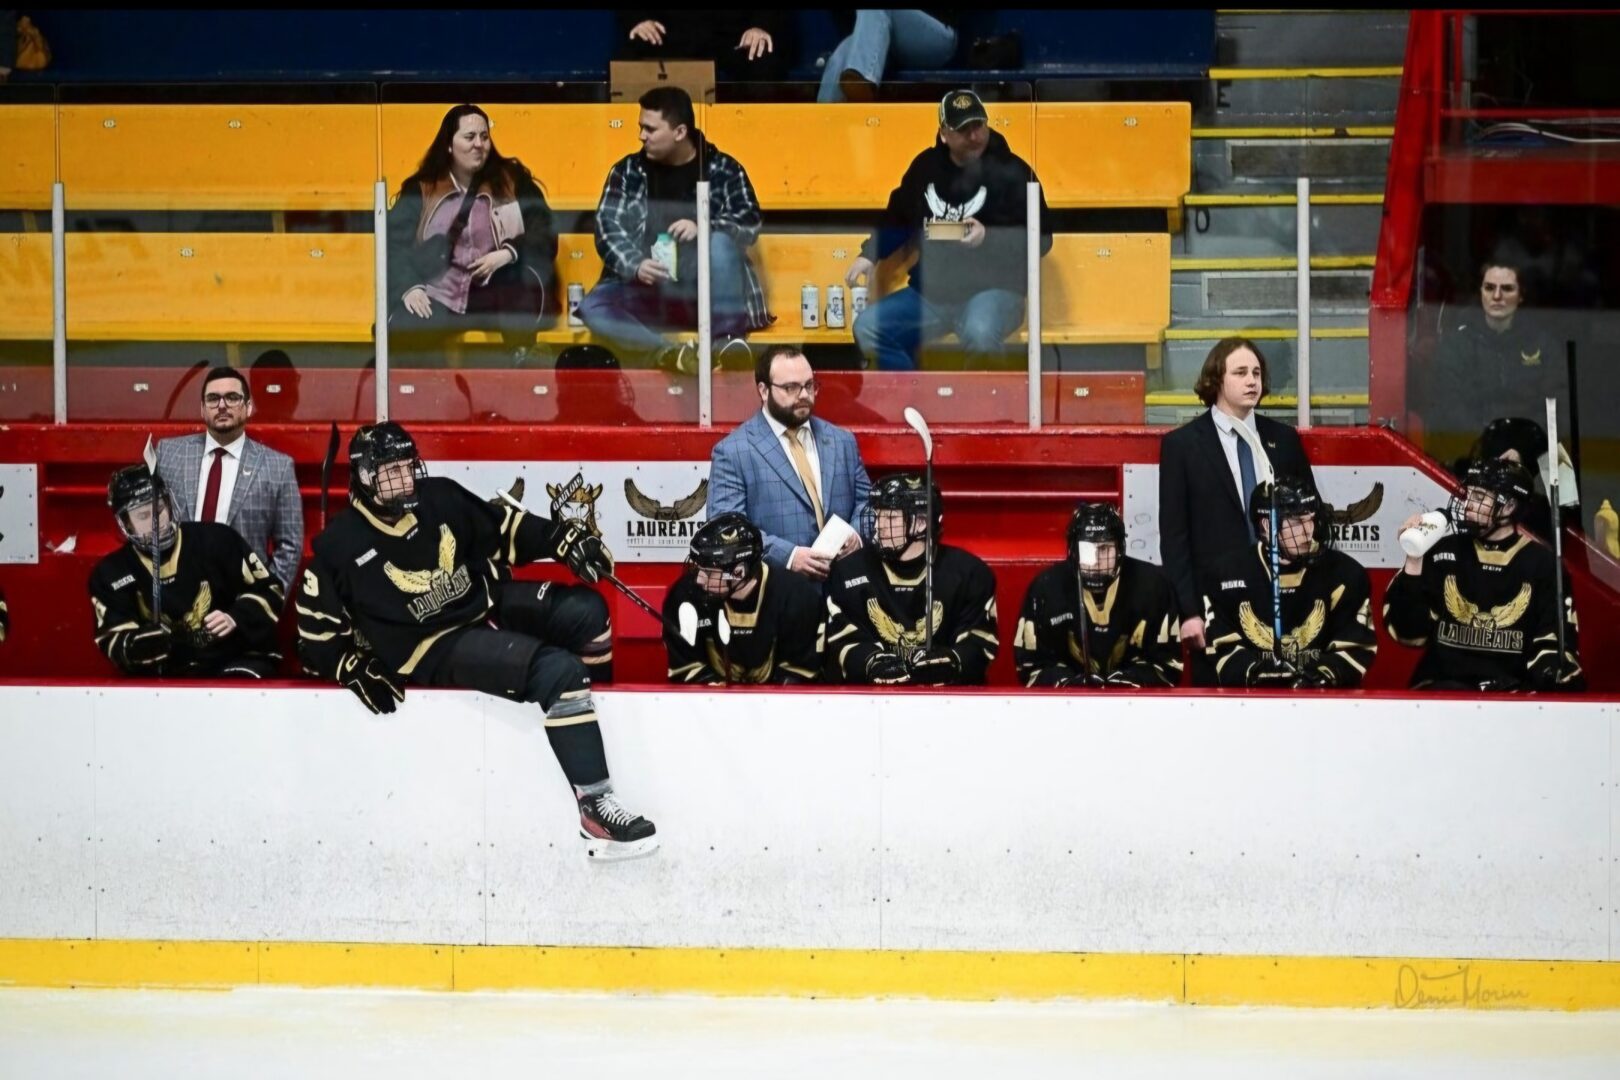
{"x":611,"y":832}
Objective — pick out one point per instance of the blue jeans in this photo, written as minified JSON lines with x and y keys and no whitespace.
{"x":891,"y":330}
{"x":905,"y":35}
{"x":627,"y":316}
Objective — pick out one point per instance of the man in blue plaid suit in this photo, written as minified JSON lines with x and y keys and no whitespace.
{"x":785,"y":473}
{"x":237,"y":481}
{"x":653,"y":192}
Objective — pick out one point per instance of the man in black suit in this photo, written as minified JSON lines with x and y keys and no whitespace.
{"x":1208,"y":467}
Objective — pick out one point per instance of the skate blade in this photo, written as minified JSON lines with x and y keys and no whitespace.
{"x":602,"y":850}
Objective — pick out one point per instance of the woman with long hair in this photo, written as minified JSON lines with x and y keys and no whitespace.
{"x":470,"y":244}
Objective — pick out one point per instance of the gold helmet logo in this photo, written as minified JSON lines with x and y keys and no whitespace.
{"x":730,"y":536}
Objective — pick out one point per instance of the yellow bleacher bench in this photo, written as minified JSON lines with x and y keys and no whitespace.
{"x":27,"y":156}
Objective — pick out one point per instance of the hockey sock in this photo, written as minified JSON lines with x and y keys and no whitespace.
{"x":576,"y":739}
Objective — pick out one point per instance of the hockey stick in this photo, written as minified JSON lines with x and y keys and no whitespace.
{"x":1276,"y":579}
{"x":635,"y":597}
{"x":1085,"y":619}
{"x":1557,"y":531}
{"x":150,"y":456}
{"x":326,"y":470}
{"x":920,"y":426}
{"x":687,"y":616}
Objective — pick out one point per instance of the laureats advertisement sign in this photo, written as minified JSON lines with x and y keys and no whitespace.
{"x":645,"y":511}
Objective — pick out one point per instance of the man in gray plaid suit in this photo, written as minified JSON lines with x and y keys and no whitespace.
{"x":222,"y":475}
{"x":785,"y":474}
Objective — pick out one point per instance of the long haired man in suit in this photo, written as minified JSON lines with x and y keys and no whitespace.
{"x":221,"y":475}
{"x":787,"y":473}
{"x":1207,"y":470}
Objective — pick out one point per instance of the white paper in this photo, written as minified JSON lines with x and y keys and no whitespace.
{"x":834,"y":535}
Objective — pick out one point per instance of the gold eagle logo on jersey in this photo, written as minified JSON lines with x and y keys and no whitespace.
{"x":1259,"y":634}
{"x":651,"y":508}
{"x":736,"y":673}
{"x":417,"y":582}
{"x":899,"y":636}
{"x":1115,"y":655}
{"x":1500,"y":617}
{"x":193,"y":618}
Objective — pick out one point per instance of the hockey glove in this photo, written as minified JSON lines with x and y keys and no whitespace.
{"x":144,"y":648}
{"x":1082,"y":680}
{"x":375,"y":687}
{"x":583,"y":553}
{"x":938,"y":667}
{"x":887,"y":669}
{"x":1500,"y":686}
{"x":1550,"y":676}
{"x":1121,"y":680}
{"x":1318,"y":678}
{"x":1272,"y":673}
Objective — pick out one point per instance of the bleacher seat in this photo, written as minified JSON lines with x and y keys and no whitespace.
{"x":27,"y":156}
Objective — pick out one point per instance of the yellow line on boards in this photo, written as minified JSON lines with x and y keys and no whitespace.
{"x":1356,"y":199}
{"x":1337,"y":982}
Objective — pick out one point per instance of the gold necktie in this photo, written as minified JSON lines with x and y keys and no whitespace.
{"x":801,"y":462}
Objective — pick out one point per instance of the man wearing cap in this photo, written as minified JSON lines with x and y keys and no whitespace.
{"x":962,"y":206}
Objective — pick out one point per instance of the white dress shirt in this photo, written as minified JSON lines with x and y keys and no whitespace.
{"x":1228,"y":426}
{"x":228,"y":464}
{"x":806,"y":439}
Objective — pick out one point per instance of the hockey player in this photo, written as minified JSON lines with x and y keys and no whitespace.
{"x":776,"y":618}
{"x":1126,"y":634}
{"x":1327,"y":633}
{"x":220,"y":605}
{"x":876,"y":594}
{"x":407,"y":586}
{"x":1481,"y":603}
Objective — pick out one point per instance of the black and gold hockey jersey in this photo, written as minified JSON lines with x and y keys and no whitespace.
{"x":1485,"y":612}
{"x":398,"y":589}
{"x":777,"y":634}
{"x":874,"y":608}
{"x":1133,"y":628}
{"x":209,"y":568}
{"x":1328,"y":633}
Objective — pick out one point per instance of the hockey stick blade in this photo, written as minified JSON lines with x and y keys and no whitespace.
{"x":915,"y":420}
{"x":722,"y":626}
{"x":688,"y":619}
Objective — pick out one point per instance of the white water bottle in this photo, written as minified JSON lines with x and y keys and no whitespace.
{"x":835,"y":307}
{"x":810,"y":307}
{"x":664,"y":251}
{"x":1417,"y":540}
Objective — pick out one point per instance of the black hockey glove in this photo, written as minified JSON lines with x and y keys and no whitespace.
{"x":1082,"y":680}
{"x":144,"y":648}
{"x":1121,"y":680}
{"x":1272,"y":673}
{"x":1317,"y":678}
{"x":583,"y":553}
{"x":376,"y":688}
{"x":1550,"y":676}
{"x":937,"y":667}
{"x":1500,"y":686}
{"x":887,"y":669}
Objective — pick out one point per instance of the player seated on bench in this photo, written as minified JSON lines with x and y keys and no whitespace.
{"x":877,"y":632}
{"x":732,"y":619}
{"x":1124,"y":635}
{"x":217,"y":605}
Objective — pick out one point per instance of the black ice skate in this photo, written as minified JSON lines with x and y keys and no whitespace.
{"x":611,"y":832}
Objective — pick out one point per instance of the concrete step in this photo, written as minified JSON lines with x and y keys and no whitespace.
{"x":1338,"y":364}
{"x":1298,"y":100}
{"x":1225,"y":165}
{"x":1240,"y":294}
{"x":1320,"y":38}
{"x":1250,"y":229}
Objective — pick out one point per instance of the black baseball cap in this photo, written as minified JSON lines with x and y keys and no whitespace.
{"x":959,"y":108}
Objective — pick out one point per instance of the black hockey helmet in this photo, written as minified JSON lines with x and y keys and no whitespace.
{"x":1518,"y":433}
{"x":921,"y":508}
{"x":1295,"y":501}
{"x":144,"y":508}
{"x":1092,"y":526}
{"x":373,"y":447}
{"x":1496,"y":492}
{"x":731,"y":548}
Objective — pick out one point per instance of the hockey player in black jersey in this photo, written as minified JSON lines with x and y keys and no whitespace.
{"x":219,"y":603}
{"x":776,"y":619}
{"x":1481,"y":603}
{"x":409,"y":585}
{"x":1327,"y":633}
{"x":875,"y":598}
{"x":1125,"y":635}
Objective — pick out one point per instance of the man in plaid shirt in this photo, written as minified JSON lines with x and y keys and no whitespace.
{"x":654,"y":192}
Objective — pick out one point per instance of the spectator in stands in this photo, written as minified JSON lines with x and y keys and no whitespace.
{"x":787,"y":474}
{"x":963,"y":205}
{"x":216,"y":606}
{"x":221,"y":475}
{"x":745,"y":45}
{"x":1495,"y":362}
{"x":470,"y":245}
{"x":8,"y":43}
{"x":908,"y":37}
{"x":652,"y":194}
{"x":1208,"y":470}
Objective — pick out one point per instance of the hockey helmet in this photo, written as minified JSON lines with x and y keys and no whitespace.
{"x":1303,"y":520}
{"x":141,"y":502}
{"x":390,"y":492}
{"x":727,"y":553}
{"x":1096,"y":543}
{"x":902,"y":508}
{"x":1496,"y":493}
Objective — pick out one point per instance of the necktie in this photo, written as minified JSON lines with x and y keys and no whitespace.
{"x":801,"y":462}
{"x":211,"y":493}
{"x":1246,"y":470}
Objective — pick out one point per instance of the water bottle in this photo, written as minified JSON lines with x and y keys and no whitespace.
{"x":663,"y":251}
{"x":810,"y":307}
{"x":1417,"y":540}
{"x":835,"y":307}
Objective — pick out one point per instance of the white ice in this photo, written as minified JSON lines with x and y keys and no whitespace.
{"x":355,"y":1035}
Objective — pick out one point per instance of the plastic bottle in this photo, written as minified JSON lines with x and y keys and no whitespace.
{"x":1606,"y":528}
{"x":1417,"y":540}
{"x":663,"y":251}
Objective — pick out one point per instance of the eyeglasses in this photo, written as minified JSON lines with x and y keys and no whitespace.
{"x":793,"y":389}
{"x":213,"y":401}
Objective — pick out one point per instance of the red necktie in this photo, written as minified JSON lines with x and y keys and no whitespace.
{"x":211,"y":493}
